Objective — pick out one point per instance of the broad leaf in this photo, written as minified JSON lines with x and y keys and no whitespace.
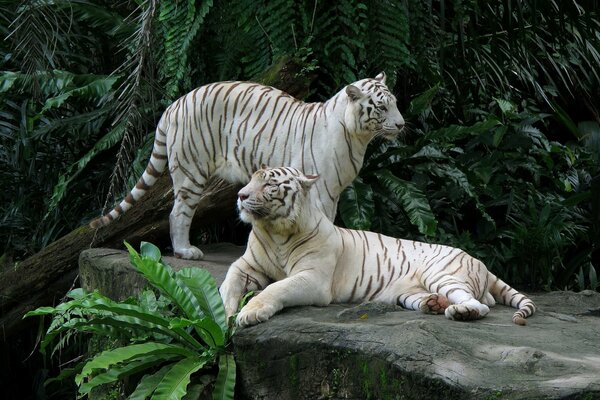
{"x":204,"y":287}
{"x":163,"y":278}
{"x":96,"y":89}
{"x":108,"y":358}
{"x":148,"y":384}
{"x":150,"y":250}
{"x":453,"y":133}
{"x":430,"y":151}
{"x":357,"y":206}
{"x":420,"y":104}
{"x":118,"y":372}
{"x":225,"y":384}
{"x":173,"y":385}
{"x":413,"y":201}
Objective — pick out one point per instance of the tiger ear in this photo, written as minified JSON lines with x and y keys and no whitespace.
{"x":354,"y":93}
{"x":308,"y":180}
{"x":381,"y":77}
{"x":264,"y":166}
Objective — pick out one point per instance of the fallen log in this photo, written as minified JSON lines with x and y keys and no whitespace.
{"x":45,"y":277}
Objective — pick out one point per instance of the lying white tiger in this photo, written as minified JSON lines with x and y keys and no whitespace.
{"x":228,"y":129}
{"x":314,"y":262}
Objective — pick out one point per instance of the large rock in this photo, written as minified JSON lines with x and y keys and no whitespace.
{"x":110,"y":271}
{"x":375,"y":351}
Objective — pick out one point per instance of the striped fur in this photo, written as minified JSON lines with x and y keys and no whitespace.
{"x":314,"y":262}
{"x":228,"y":129}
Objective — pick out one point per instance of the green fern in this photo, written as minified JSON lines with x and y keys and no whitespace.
{"x":179,"y":24}
{"x":387,"y":49}
{"x":357,"y":206}
{"x":338,"y":29}
{"x":179,"y":345}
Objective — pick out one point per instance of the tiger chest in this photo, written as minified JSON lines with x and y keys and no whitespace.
{"x":286,"y":261}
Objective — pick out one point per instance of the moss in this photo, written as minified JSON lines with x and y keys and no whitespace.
{"x":366,"y":384}
{"x":494,"y":395}
{"x":591,"y":396}
{"x":294,"y":371}
{"x":81,"y":230}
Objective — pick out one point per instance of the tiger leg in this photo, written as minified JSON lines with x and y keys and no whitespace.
{"x":241,"y":278}
{"x":419,"y":300}
{"x":463,"y":305}
{"x":303,"y":288}
{"x":187,"y":197}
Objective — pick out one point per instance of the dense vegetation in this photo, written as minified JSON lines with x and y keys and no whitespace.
{"x":160,"y":340}
{"x":500,"y":158}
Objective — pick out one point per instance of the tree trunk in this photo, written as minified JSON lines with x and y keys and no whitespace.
{"x":45,"y":277}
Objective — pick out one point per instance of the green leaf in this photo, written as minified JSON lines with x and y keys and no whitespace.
{"x":174,"y":384}
{"x":413,"y":201}
{"x":204,"y":287}
{"x":93,"y":90}
{"x":145,"y":318}
{"x":453,"y":133}
{"x":455,"y":175}
{"x":118,"y":372}
{"x":108,"y":358}
{"x":7,"y":80}
{"x":225,"y":384}
{"x":506,"y":106}
{"x":357,"y":206}
{"x":149,"y":250}
{"x":162,"y":277}
{"x":148,"y":384}
{"x":431,"y":152}
{"x":40,"y":311}
{"x":422,"y":102}
{"x":100,"y":310}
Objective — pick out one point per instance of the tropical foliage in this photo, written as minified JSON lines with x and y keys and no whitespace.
{"x":170,"y":339}
{"x":501,"y":157}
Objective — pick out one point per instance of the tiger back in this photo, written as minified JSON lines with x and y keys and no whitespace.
{"x":313,"y":262}
{"x":228,"y":129}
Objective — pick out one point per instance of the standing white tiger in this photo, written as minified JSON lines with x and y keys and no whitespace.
{"x":314,"y":262}
{"x":228,"y":129}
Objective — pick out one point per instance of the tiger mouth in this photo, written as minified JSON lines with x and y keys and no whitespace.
{"x":253,"y":212}
{"x":390,"y":134}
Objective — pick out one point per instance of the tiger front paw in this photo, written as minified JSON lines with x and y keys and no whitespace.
{"x":434,"y":304}
{"x":466,"y":312}
{"x":255,"y":312}
{"x":189,"y":253}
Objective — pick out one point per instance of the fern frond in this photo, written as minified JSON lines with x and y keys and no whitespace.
{"x":388,"y":38}
{"x":179,"y":22}
{"x":129,"y":116}
{"x":338,"y":29}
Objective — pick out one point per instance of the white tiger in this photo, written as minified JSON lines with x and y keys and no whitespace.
{"x":228,"y":129}
{"x":314,"y":262}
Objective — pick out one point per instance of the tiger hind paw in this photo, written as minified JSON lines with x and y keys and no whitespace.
{"x":466,"y":312}
{"x":434,"y":304}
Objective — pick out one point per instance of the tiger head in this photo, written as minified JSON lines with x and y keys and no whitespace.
{"x":372,"y":109}
{"x":274,"y":195}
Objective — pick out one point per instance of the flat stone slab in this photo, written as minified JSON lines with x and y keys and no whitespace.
{"x":377,"y":351}
{"x":110,"y":271}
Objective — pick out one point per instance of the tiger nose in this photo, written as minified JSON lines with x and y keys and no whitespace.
{"x":242,"y":196}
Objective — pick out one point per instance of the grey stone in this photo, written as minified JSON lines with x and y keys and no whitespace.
{"x":375,"y":351}
{"x":110,"y":271}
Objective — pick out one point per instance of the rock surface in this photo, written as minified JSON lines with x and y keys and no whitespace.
{"x":375,"y":351}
